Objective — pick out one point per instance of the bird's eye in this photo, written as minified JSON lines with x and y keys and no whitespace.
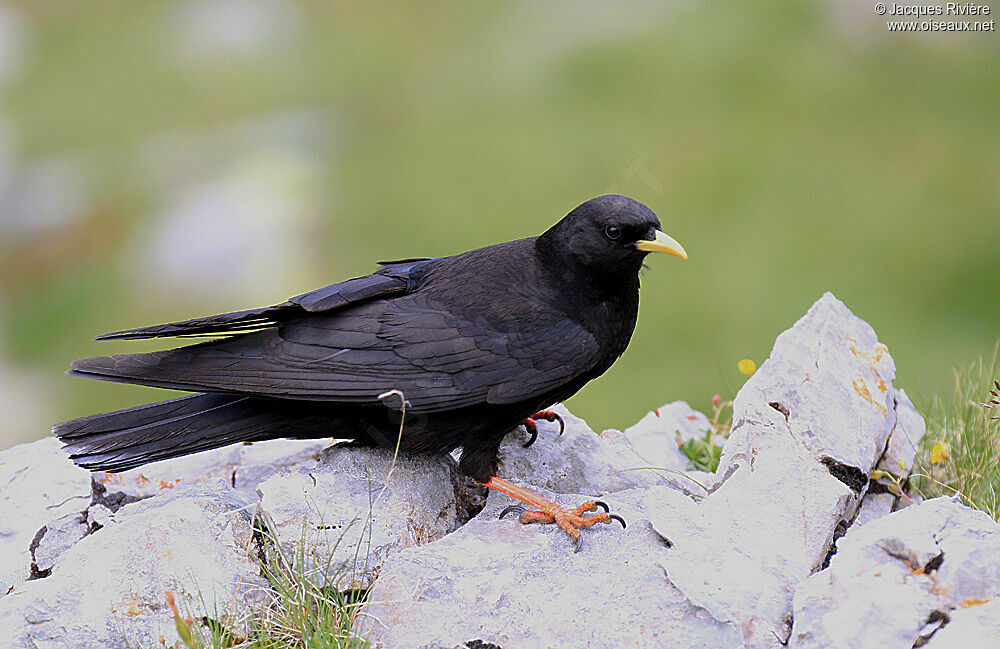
{"x":612,"y":232}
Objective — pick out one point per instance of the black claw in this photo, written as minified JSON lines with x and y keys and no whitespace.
{"x":562,"y":423}
{"x":533,"y":432}
{"x":611,"y":517}
{"x":578,"y":542}
{"x":513,"y":508}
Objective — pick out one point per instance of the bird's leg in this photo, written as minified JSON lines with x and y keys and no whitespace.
{"x":546,"y":511}
{"x":532,"y":428}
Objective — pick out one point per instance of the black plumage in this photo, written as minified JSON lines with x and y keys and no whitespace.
{"x":476,"y":342}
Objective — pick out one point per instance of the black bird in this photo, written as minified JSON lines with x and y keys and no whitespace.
{"x":476,"y":343}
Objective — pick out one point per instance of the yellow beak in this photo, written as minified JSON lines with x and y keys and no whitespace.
{"x":662,"y":243}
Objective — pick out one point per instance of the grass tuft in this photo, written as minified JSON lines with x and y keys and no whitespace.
{"x":301,"y":610}
{"x":960,"y":454}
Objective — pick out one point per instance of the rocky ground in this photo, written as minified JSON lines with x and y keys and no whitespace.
{"x":787,"y":544}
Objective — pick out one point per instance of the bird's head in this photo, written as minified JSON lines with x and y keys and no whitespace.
{"x":610,"y":234}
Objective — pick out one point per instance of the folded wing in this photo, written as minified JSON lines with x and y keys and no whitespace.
{"x":439,"y":359}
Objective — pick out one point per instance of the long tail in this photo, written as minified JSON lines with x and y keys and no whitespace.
{"x":121,"y":440}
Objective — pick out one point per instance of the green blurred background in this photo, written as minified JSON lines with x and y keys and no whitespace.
{"x":164,"y":160}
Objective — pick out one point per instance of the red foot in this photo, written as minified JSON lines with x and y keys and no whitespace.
{"x":532,"y":428}
{"x":547,"y":511}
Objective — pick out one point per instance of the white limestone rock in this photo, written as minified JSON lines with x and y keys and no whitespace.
{"x":38,"y":484}
{"x":874,"y":506}
{"x":929,"y":573}
{"x":808,"y":428}
{"x":521,"y":586}
{"x":656,"y":436}
{"x":108,"y":590}
{"x":977,"y":626}
{"x":904,"y":440}
{"x":833,"y":378}
{"x":48,"y":503}
{"x":54,"y":538}
{"x":350,"y":500}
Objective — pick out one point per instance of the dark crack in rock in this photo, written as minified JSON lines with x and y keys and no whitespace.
{"x":851,"y":476}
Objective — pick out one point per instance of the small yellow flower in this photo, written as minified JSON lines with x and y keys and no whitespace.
{"x":746,"y":366}
{"x":940,"y":451}
{"x":901,"y":463}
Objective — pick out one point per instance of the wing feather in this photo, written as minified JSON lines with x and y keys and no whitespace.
{"x":439,"y":360}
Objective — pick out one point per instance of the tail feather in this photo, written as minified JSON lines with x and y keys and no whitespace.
{"x":130,"y":418}
{"x":121,"y":440}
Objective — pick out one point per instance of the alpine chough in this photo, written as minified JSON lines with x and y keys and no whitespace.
{"x":476,"y":344}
